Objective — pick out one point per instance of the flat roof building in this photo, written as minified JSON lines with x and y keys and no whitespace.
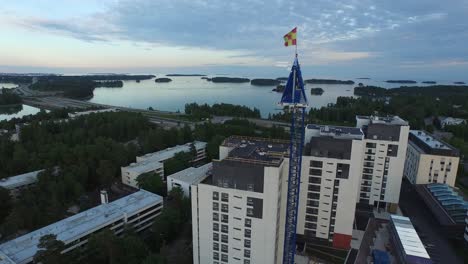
{"x":330,"y":179}
{"x":430,"y":160}
{"x":385,"y":144}
{"x":137,"y":210}
{"x":168,"y":153}
{"x":190,"y":176}
{"x":408,"y":245}
{"x":238,"y":211}
{"x":130,"y":173}
{"x":16,"y":183}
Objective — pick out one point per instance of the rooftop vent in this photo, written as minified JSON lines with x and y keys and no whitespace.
{"x":427,"y":139}
{"x":419,"y":133}
{"x":270,"y":146}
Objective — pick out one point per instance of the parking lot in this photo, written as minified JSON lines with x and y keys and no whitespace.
{"x":438,"y":247}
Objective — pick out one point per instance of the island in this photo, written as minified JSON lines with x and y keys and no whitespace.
{"x":206,"y":78}
{"x":69,"y":86}
{"x":459,"y":82}
{"x":279,"y":88}
{"x":229,"y":80}
{"x":433,"y":90}
{"x":162,"y":80}
{"x":110,"y":84}
{"x":316,"y":91}
{"x":184,"y":75}
{"x":363,"y":78}
{"x":328,"y":81}
{"x":282,"y":79}
{"x":401,"y":81}
{"x":429,"y":82}
{"x":264,"y":82}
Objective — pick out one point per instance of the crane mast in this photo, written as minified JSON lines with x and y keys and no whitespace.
{"x":294,"y":101}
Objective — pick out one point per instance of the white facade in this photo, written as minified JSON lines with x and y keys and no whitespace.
{"x":385,"y":144}
{"x":185,"y":178}
{"x":163,"y":155}
{"x":83,"y":113}
{"x":137,"y":210}
{"x":130,"y":173}
{"x":330,"y":178}
{"x":451,"y":121}
{"x":429,"y":160}
{"x":236,"y":211}
{"x":16,"y":183}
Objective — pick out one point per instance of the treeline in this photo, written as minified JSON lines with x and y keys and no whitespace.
{"x":40,"y":116}
{"x":9,"y":98}
{"x":433,"y":90}
{"x":110,"y":84}
{"x":71,"y":87}
{"x":206,"y":111}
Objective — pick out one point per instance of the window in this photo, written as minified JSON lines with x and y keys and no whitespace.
{"x":371,"y":145}
{"x":224,"y":218}
{"x":313,"y":195}
{"x":215,"y":217}
{"x":317,"y":164}
{"x":250,"y":212}
{"x":313,"y":211}
{"x":224,"y":208}
{"x":248,"y":222}
{"x":311,"y":225}
{"x":215,"y":246}
{"x":315,"y":172}
{"x":224,"y":248}
{"x":247,"y":233}
{"x":312,"y":203}
{"x":315,"y":180}
{"x":215,"y":236}
{"x":246,"y":253}
{"x":246,"y":261}
{"x":224,"y":257}
{"x":247,"y":243}
{"x":224,"y":197}
{"x":249,"y":201}
{"x":224,"y":238}
{"x":215,"y":255}
{"x":215,"y":227}
{"x":314,"y":188}
{"x":215,"y":196}
{"x":224,"y":228}
{"x":215,"y":206}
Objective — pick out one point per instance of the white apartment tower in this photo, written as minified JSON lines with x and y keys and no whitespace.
{"x":385,"y":143}
{"x":331,"y":167}
{"x":429,"y":160}
{"x":236,"y":210}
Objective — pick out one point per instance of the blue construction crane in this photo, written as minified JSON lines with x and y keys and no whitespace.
{"x":294,"y":101}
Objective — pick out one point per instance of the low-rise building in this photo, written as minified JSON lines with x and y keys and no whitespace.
{"x":83,"y":113}
{"x":407,"y":244}
{"x":137,"y":210}
{"x":163,"y":155}
{"x":465,"y":235}
{"x":19,"y":182}
{"x":190,"y":176}
{"x":130,"y":173}
{"x":447,"y":206}
{"x":430,"y":160}
{"x":450,"y":121}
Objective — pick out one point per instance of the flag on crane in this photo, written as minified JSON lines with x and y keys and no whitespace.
{"x":290,"y":38}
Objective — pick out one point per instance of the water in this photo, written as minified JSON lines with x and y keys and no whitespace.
{"x":174,"y":95}
{"x":17,"y":112}
{"x":8,"y":85}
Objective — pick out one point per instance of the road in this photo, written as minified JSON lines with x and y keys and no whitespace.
{"x":437,"y":245}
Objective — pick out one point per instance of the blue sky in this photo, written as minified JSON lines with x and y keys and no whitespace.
{"x":362,"y":38}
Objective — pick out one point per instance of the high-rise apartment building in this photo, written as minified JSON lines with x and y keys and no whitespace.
{"x":330,"y":178}
{"x":236,"y":211}
{"x":385,"y":143}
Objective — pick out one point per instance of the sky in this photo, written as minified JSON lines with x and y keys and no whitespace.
{"x":396,"y":39}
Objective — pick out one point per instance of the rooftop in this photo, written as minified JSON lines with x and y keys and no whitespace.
{"x":79,"y":225}
{"x":19,"y":180}
{"x":409,"y":238}
{"x":256,"y":150}
{"x":453,"y":204}
{"x":428,"y":144}
{"x":170,"y":152}
{"x":192,"y":175}
{"x":388,"y":120}
{"x":338,"y":131}
{"x":143,"y":166}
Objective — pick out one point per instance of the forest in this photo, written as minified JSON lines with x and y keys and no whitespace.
{"x":206,"y":111}
{"x":9,"y":98}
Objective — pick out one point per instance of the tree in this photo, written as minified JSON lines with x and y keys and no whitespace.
{"x":154,"y":259}
{"x":105,"y":171}
{"x":5,"y":205}
{"x":152,"y":182}
{"x":50,"y":251}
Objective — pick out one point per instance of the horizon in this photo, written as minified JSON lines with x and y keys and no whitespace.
{"x":397,"y":40}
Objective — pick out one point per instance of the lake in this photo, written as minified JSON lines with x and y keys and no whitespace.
{"x":174,"y":95}
{"x":17,"y":112}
